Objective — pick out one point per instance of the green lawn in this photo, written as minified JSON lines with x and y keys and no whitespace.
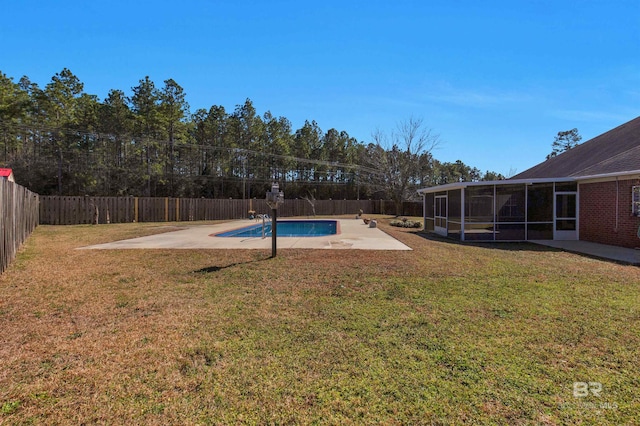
{"x":444,"y":334}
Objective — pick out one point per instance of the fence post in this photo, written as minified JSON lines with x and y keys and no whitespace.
{"x":166,"y":209}
{"x":95,"y":212}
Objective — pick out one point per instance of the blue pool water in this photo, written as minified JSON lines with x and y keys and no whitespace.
{"x":287,"y":228}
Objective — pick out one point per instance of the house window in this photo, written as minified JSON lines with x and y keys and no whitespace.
{"x":635,"y":201}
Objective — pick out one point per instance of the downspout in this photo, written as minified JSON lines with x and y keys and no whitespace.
{"x":495,"y":205}
{"x":424,"y":211}
{"x":617,"y":204}
{"x":526,"y":212}
{"x":462,"y":213}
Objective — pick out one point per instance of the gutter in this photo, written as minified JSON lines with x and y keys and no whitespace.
{"x":459,"y":185}
{"x":616,"y":175}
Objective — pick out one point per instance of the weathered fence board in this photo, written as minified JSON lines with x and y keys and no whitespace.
{"x":56,"y":210}
{"x":18,"y":218}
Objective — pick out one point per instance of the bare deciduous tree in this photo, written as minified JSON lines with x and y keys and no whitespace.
{"x":311,"y":199}
{"x":397,"y":159}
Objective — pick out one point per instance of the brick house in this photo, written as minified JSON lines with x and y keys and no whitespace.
{"x":590,"y":193}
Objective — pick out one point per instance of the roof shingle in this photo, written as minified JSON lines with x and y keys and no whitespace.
{"x":617,"y":150}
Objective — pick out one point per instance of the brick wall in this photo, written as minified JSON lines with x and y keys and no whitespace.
{"x":598,"y":213}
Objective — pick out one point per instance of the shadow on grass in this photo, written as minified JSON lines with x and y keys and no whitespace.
{"x":215,"y":268}
{"x":506,"y":246}
{"x":522,"y":246}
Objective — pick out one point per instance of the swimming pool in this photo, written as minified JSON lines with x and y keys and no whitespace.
{"x":287,"y":228}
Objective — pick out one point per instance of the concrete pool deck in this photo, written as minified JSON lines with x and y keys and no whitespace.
{"x":354,"y":234}
{"x":618,"y":254}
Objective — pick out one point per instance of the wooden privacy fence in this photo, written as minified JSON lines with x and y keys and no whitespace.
{"x":61,"y":210}
{"x":18,"y":218}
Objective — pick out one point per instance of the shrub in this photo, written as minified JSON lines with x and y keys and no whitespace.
{"x":405,"y":223}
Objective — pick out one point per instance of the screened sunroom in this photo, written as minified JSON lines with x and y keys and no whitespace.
{"x":506,"y":210}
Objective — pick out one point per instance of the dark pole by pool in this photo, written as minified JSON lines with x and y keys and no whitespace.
{"x":274,"y":197}
{"x":274,"y":231}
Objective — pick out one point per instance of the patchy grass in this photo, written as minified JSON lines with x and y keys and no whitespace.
{"x":445,"y":334}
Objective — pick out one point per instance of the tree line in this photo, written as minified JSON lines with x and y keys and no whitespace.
{"x":62,"y":141}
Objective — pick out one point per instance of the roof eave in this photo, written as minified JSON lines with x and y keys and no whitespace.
{"x":629,"y":173}
{"x":459,"y":185}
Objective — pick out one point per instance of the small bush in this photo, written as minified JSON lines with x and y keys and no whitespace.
{"x":405,"y":223}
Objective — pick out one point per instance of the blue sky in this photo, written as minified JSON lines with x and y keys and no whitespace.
{"x":495,"y":79}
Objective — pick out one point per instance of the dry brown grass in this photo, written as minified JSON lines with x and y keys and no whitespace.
{"x":445,"y":333}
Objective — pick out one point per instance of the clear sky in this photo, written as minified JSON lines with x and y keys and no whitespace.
{"x":496,"y":80}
